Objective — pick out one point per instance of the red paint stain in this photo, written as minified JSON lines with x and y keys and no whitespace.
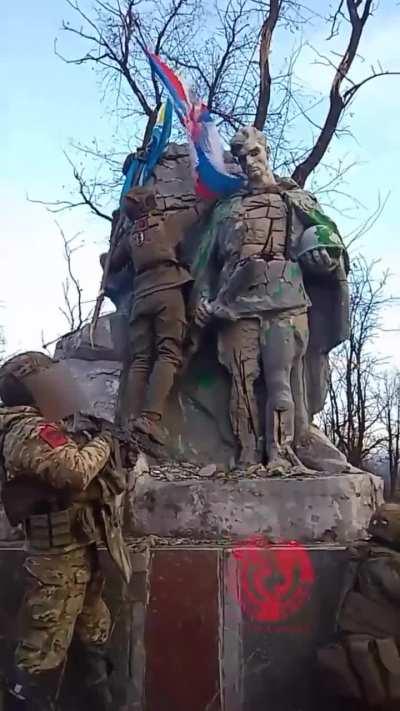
{"x":275,"y":581}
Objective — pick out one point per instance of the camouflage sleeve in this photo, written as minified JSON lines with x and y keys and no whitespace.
{"x":53,"y":457}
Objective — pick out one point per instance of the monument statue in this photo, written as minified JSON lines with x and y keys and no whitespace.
{"x":266,"y":271}
{"x":157,"y":319}
{"x":272,"y":272}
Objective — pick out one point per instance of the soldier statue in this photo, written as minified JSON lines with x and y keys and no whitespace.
{"x":63,"y":484}
{"x":272,"y":273}
{"x":363,"y":664}
{"x":158,"y":312}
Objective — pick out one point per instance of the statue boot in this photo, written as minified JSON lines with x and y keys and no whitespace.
{"x":279,"y":435}
{"x":148,"y":424}
{"x":159,"y":387}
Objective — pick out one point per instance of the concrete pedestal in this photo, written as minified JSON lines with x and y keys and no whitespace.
{"x":329,"y":508}
{"x":189,"y":636}
{"x":231,"y":622}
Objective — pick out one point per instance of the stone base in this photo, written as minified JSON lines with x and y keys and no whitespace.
{"x":331,"y":508}
{"x":184,"y":638}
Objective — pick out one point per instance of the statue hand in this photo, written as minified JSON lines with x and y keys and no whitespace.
{"x":203,"y":313}
{"x":318,"y":260}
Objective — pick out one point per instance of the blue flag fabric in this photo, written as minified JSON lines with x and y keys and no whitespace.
{"x":159,"y":139}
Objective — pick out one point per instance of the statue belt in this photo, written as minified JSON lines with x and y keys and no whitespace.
{"x":154,"y":265}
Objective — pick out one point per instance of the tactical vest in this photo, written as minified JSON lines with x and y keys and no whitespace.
{"x":56,"y":522}
{"x":364,"y":662}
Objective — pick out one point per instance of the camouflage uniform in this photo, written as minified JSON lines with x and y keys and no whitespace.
{"x":364,"y":663}
{"x":63,"y":487}
{"x":65,"y":585}
{"x":63,"y":597}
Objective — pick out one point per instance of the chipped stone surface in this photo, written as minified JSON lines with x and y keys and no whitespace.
{"x":100,"y":382}
{"x":321,"y":508}
{"x":207,"y":471}
{"x":197,"y":414}
{"x":78,"y":345}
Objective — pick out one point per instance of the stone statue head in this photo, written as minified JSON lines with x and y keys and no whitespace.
{"x":250,"y":146}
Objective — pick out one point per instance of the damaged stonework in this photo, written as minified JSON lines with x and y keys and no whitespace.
{"x":254,"y":372}
{"x":197,"y":417}
{"x":328,"y":508}
{"x":256,"y":285}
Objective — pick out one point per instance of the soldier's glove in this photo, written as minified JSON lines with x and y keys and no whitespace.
{"x":113,"y":431}
{"x":121,"y":434}
{"x":116,"y":435}
{"x":84,"y":423}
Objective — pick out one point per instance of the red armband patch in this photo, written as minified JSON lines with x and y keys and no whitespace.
{"x":52,"y":435}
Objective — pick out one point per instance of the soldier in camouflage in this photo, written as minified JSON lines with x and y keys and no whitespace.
{"x":63,"y":486}
{"x":363,"y":665}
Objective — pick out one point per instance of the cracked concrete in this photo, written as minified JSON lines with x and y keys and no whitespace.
{"x":327,"y":508}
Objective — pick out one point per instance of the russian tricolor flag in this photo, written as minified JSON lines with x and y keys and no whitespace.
{"x":211,"y":177}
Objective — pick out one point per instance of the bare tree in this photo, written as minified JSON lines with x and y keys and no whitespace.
{"x":354,"y":412}
{"x":389,"y":406}
{"x":75,"y":309}
{"x":72,"y":308}
{"x":231,"y":70}
{"x":343,"y":89}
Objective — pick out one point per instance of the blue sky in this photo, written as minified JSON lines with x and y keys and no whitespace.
{"x":45,"y":103}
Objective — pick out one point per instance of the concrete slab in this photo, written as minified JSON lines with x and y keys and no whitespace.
{"x":328,"y":508}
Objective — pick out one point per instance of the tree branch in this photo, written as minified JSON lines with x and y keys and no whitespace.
{"x":85,"y":193}
{"x":70,"y":308}
{"x":337,"y":103}
{"x":264,"y":94}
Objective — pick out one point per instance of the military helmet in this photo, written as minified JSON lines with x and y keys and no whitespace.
{"x":34,"y":378}
{"x":385,"y":523}
{"x":13,"y":390}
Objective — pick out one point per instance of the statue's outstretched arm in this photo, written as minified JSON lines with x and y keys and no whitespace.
{"x":120,"y":256}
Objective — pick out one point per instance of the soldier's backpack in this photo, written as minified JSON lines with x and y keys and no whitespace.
{"x":364,"y":662}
